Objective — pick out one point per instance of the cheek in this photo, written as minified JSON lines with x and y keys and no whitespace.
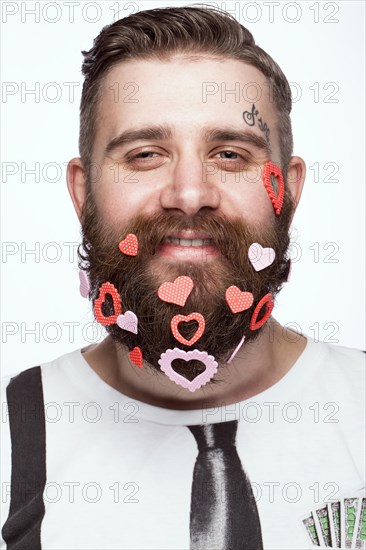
{"x":120,"y":201}
{"x":248,"y":198}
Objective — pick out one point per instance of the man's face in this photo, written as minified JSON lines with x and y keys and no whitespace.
{"x":184,"y":183}
{"x":185,"y":173}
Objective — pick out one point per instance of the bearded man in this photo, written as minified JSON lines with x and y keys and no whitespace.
{"x":197,"y":401}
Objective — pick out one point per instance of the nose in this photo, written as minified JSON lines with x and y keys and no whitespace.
{"x":190,"y":186}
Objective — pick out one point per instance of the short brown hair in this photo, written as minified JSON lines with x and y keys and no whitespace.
{"x":163,"y":32}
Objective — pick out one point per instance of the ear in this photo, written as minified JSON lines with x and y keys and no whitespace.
{"x":295,"y":180}
{"x":76,"y":184}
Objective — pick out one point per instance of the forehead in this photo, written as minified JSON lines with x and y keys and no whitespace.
{"x":183,"y":93}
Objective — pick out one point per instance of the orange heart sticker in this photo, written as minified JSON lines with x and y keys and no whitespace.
{"x":129,"y":245}
{"x":136,"y":356}
{"x":185,"y":319}
{"x":176,"y":292}
{"x":107,"y":288}
{"x":237,"y":300}
{"x":277,"y":200}
{"x":266,"y":301}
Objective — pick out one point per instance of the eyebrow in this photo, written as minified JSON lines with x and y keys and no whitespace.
{"x":161,"y":133}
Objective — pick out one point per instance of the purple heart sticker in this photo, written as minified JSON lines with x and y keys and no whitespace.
{"x":128,"y":321}
{"x":84,"y":284}
{"x":260,"y":257}
{"x":168,"y":357}
{"x":236,"y":349}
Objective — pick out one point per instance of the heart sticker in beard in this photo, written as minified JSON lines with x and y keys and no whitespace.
{"x":129,"y":245}
{"x":237,"y":300}
{"x":136,"y":357}
{"x":185,"y":319}
{"x":276,"y":195}
{"x":176,"y":292}
{"x":128,"y":321}
{"x":260,"y":257}
{"x":107,"y":288}
{"x":267,"y":302}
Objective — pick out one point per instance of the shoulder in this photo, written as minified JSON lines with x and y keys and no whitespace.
{"x":337,"y":357}
{"x":350,"y":361}
{"x":338,"y":371}
{"x":22,"y":381}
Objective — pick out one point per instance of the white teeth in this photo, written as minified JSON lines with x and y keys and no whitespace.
{"x":188,"y":242}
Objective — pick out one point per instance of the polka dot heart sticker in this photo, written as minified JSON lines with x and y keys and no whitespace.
{"x":129,"y":245}
{"x":176,"y":292}
{"x":84,"y":284}
{"x":277,"y":199}
{"x":185,"y":319}
{"x":136,"y":356}
{"x":107,"y":288}
{"x":237,"y":300}
{"x":267,"y":302}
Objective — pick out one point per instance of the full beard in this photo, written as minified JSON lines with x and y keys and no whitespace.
{"x":137,"y":279}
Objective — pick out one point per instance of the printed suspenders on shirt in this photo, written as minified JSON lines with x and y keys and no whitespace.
{"x":24,"y":393}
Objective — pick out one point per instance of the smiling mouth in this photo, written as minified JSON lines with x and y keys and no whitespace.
{"x":188,"y":242}
{"x":188,"y":245}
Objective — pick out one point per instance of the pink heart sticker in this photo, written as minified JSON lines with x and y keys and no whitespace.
{"x":129,"y":245}
{"x":185,"y":319}
{"x":237,"y":300}
{"x":260,"y":257}
{"x":168,"y":357}
{"x":84,"y":284}
{"x":289,"y":273}
{"x":176,"y":292}
{"x":236,"y":350}
{"x":128,"y":321}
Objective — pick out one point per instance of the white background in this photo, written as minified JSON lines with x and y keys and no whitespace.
{"x":319,"y":46}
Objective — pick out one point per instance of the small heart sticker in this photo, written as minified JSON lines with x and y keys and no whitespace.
{"x":84,"y":284}
{"x":260,"y":257}
{"x":128,"y":321}
{"x":176,"y":292}
{"x":129,"y":245}
{"x":185,"y":319}
{"x":269,"y":169}
{"x":267,"y":302}
{"x":136,"y":356}
{"x":237,"y":300}
{"x":236,"y":350}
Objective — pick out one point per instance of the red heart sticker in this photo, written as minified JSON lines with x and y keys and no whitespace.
{"x":267,"y":301}
{"x":237,"y":300}
{"x":176,"y":292}
{"x":129,"y":245}
{"x":107,"y":288}
{"x":185,"y":319}
{"x":136,"y":356}
{"x":277,"y":200}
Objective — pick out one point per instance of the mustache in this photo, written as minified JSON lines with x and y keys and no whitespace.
{"x":229,"y":235}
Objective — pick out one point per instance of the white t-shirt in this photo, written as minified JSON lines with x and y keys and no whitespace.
{"x":119,"y":471}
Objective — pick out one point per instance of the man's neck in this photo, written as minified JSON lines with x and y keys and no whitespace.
{"x":256,"y":367}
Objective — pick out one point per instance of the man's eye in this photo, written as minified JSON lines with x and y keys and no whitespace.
{"x":230,"y":155}
{"x":142,"y":155}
